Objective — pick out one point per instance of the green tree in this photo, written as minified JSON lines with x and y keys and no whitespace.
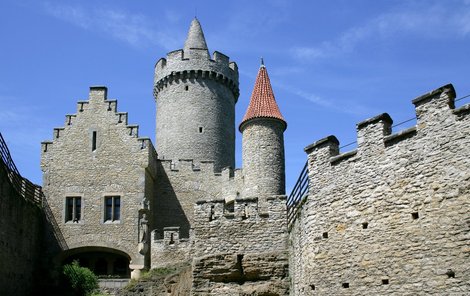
{"x":82,"y":280}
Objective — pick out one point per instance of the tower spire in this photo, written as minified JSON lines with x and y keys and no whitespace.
{"x":262,"y":102}
{"x":195,"y":39}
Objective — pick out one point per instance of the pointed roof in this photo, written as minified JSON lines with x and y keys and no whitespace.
{"x":262,"y":102}
{"x":195,"y":37}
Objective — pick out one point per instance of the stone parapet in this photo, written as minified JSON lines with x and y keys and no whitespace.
{"x":176,"y":66}
{"x":387,"y":217}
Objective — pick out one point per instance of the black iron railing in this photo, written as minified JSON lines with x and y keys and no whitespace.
{"x":24,"y":187}
{"x":28,"y":190}
{"x":297,"y":195}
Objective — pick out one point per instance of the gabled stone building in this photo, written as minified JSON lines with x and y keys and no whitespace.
{"x":388,"y":218}
{"x":123,"y":207}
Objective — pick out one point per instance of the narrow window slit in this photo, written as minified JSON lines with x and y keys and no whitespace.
{"x":384,"y":281}
{"x":325,"y":235}
{"x":93,"y":141}
{"x":211,"y":213}
{"x":365,"y":225}
{"x":415,"y":215}
{"x":200,"y":129}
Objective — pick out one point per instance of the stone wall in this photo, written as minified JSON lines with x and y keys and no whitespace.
{"x":21,"y":226}
{"x":195,"y":100}
{"x":392,"y":216}
{"x":98,"y":154}
{"x":240,"y":247}
{"x":170,"y":249}
{"x":263,"y":157}
{"x":180,"y":184}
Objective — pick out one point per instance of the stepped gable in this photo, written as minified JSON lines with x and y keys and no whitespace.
{"x":262,"y":102}
{"x":195,"y":39}
{"x":98,"y":94}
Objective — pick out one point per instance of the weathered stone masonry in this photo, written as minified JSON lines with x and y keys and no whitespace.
{"x":390,"y":217}
{"x":240,"y":248}
{"x":97,"y":155}
{"x":21,"y":230}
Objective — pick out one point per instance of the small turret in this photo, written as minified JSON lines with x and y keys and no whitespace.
{"x":263,"y":129}
{"x":196,"y":95}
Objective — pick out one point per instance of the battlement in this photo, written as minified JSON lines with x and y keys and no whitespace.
{"x":199,"y":167}
{"x":168,"y":247}
{"x":397,"y":198}
{"x":434,"y":111}
{"x":240,"y":226}
{"x":238,"y":209}
{"x":178,"y":66}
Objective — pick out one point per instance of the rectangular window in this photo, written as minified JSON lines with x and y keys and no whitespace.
{"x":112,"y":208}
{"x":73,"y":209}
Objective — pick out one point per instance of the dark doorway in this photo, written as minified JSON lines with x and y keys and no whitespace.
{"x":103,"y":262}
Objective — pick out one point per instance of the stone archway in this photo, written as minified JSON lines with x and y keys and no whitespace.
{"x":104,"y":262}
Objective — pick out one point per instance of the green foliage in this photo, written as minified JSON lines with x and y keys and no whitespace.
{"x":158,"y":272}
{"x":131,"y":285}
{"x":82,"y":280}
{"x":98,"y":294}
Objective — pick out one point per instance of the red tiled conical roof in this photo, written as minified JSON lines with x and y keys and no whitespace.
{"x":262,"y":102}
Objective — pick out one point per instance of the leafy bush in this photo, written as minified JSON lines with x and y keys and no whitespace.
{"x":82,"y":280}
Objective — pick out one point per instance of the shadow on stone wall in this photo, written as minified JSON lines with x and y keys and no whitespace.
{"x":21,"y":229}
{"x":168,"y":210}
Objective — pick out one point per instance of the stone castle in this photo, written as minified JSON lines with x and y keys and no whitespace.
{"x":390,"y":217}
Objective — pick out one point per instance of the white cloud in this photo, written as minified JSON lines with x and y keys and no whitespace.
{"x":133,"y":29}
{"x":331,"y":104}
{"x":432,"y":21}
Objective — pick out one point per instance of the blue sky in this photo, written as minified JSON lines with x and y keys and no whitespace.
{"x":332,"y":63}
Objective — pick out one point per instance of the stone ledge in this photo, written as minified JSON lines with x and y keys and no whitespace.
{"x":344,"y":156}
{"x":381,"y":117}
{"x":465,"y":109}
{"x":401,"y":135}
{"x":330,"y":139}
{"x":446,"y":88}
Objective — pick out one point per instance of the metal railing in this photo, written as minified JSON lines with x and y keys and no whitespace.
{"x":25,"y":188}
{"x":28,"y":190}
{"x":297,"y":195}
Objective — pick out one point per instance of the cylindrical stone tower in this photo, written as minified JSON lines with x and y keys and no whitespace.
{"x":196,"y":96}
{"x":263,"y":141}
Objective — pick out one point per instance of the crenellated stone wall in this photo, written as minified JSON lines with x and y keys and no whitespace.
{"x":170,"y":248}
{"x":390,"y":217}
{"x":181,"y":183}
{"x":240,"y":247}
